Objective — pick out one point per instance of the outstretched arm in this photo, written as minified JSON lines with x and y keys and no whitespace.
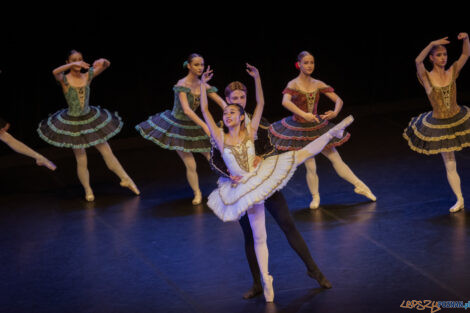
{"x":217,"y":99}
{"x":421,"y":70}
{"x":256,"y":118}
{"x":213,"y":129}
{"x":465,"y":51}
{"x":100,"y":65}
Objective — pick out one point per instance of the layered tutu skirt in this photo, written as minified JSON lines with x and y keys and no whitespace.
{"x":174,"y":134}
{"x":65,"y":131}
{"x":428,"y":135}
{"x":288,"y":134}
{"x":230,"y":201}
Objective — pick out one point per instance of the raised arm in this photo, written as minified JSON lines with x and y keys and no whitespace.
{"x":59,"y":72}
{"x":465,"y":51}
{"x":256,"y":118}
{"x":213,"y":129}
{"x":421,"y":70}
{"x":100,"y":65}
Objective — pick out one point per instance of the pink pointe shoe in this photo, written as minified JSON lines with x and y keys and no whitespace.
{"x":338,"y":130}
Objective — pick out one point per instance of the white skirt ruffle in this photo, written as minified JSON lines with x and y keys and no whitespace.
{"x":230,"y":201}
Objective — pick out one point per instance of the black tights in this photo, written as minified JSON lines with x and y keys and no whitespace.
{"x":277,"y":206}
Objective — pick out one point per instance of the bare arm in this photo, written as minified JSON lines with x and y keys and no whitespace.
{"x":213,"y":129}
{"x":190,"y":113}
{"x":256,"y":118}
{"x":465,"y":51}
{"x":100,"y":65}
{"x":59,"y":72}
{"x":217,"y":99}
{"x":421,"y":70}
{"x":289,"y":105}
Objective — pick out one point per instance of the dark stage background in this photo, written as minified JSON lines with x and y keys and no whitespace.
{"x":370,"y":65}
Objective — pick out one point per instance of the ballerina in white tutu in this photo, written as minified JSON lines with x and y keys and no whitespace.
{"x":255,"y":181}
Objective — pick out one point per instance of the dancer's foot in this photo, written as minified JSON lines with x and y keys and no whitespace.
{"x":128,"y":183}
{"x":365,"y":191}
{"x":338,"y":130}
{"x":254,"y":291}
{"x":42,"y":161}
{"x":457,"y":206}
{"x":320,"y":278}
{"x":268,"y":289}
{"x":315,"y":201}
{"x":197,"y":198}
{"x":89,"y":196}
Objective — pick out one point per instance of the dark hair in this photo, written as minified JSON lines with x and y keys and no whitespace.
{"x":436,"y":47}
{"x":236,"y":85}
{"x":193,"y":56}
{"x":240,"y":109}
{"x":73,"y":51}
{"x":302,"y":54}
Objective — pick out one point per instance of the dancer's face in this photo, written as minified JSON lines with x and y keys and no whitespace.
{"x":196,"y":66}
{"x":439,"y":57}
{"x":307,"y":64}
{"x":232,"y":116}
{"x":237,"y":97}
{"x":75,"y":57}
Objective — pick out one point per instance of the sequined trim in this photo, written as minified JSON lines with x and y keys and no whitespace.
{"x":154,"y":126}
{"x":240,"y":153}
{"x":286,"y":125}
{"x":70,"y":122}
{"x":281,"y":180}
{"x":459,"y":122}
{"x":86,"y":131}
{"x":169,"y":121}
{"x":425,"y":138}
{"x":303,"y":138}
{"x":435,"y":151}
{"x":328,"y":146}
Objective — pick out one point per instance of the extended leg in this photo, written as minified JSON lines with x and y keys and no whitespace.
{"x":113,"y":164}
{"x":345,"y":173}
{"x":454,"y":179}
{"x":191,"y":175}
{"x":21,"y":148}
{"x":82,"y":172}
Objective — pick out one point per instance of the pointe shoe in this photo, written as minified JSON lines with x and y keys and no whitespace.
{"x":128,"y":183}
{"x":338,"y":130}
{"x":315,"y":202}
{"x":365,"y":191}
{"x":197,"y":198}
{"x":42,"y":161}
{"x":268,"y":289}
{"x":457,"y":206}
{"x":320,"y":278}
{"x":90,"y":197}
{"x":255,"y":290}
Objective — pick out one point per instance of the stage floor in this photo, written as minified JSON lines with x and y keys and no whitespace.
{"x":158,"y":253}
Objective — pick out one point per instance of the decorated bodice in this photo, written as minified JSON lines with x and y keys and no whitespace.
{"x":444,"y":99}
{"x":78,"y":97}
{"x":193,"y":101}
{"x":306,"y":101}
{"x":239,"y":158}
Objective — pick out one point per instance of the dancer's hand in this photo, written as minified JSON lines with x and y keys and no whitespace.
{"x":82,"y":64}
{"x":462,"y":36}
{"x":101,"y":62}
{"x":328,"y":115}
{"x":442,"y":41}
{"x":257,"y":160}
{"x":207,"y":75}
{"x":252,"y":71}
{"x":235,"y":179}
{"x":310,"y":117}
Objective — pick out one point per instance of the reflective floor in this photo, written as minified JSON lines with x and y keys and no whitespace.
{"x":158,"y":253}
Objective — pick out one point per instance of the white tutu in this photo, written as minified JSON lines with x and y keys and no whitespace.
{"x":230,"y":201}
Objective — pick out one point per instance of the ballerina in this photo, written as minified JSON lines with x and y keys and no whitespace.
{"x":231,"y":199}
{"x":294,"y":132}
{"x":81,"y":125}
{"x":181,"y":129}
{"x":446,"y":128}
